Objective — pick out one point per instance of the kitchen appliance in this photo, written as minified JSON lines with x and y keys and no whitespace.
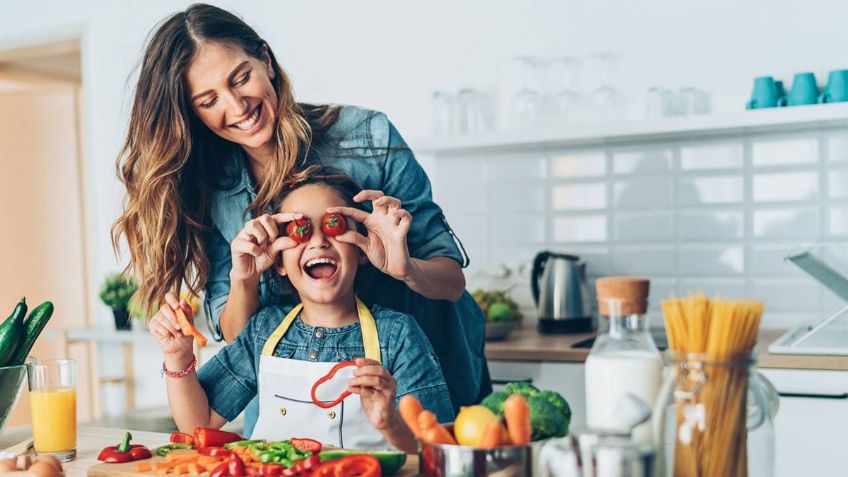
{"x":558,"y":282}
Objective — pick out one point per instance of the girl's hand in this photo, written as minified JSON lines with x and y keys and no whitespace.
{"x":256,"y":247}
{"x":176,"y":347}
{"x":385,"y":246}
{"x":377,"y":389}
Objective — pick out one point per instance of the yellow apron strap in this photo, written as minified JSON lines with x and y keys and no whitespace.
{"x":277,"y":335}
{"x":366,"y":322}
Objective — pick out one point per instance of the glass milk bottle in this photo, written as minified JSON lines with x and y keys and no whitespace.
{"x":624,"y":359}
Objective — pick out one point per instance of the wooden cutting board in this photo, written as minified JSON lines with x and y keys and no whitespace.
{"x":409,"y":469}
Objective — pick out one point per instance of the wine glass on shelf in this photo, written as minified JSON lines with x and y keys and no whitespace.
{"x":526,"y":103}
{"x":606,"y":99}
{"x":567,"y":100}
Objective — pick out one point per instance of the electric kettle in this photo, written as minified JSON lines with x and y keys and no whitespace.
{"x":561,"y":293}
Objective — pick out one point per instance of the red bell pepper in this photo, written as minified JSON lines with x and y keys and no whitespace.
{"x":359,"y":465}
{"x":181,"y":438}
{"x":124,"y":452}
{"x":214,"y":451}
{"x":208,"y":437}
{"x":306,"y":445}
{"x":219,"y":471}
{"x":235,"y":466}
{"x":324,"y":379}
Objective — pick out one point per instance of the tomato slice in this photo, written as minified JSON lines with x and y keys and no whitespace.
{"x":357,"y":465}
{"x":306,"y":445}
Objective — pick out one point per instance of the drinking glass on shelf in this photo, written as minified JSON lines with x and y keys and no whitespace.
{"x":444,"y":114}
{"x":526,"y":103}
{"x":657,"y":102}
{"x":53,"y":399}
{"x":606,"y":98}
{"x":472,"y":111}
{"x":567,"y":98}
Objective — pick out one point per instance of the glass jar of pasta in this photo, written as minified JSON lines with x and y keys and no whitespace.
{"x":715,"y":417}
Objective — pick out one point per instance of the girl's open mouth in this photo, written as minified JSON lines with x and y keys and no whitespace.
{"x":323,"y":268}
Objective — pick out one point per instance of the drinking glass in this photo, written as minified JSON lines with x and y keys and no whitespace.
{"x":606,"y":98}
{"x":567,"y":99}
{"x":53,"y":399}
{"x":444,"y":114}
{"x":526,"y":104}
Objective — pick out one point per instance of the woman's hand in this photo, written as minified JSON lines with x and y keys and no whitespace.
{"x":377,"y":389}
{"x":257,"y":245}
{"x":385,"y":246}
{"x":176,"y":347}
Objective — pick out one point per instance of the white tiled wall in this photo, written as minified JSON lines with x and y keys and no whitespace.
{"x":712,"y":215}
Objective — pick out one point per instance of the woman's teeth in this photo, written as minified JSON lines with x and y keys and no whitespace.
{"x":251,"y":121}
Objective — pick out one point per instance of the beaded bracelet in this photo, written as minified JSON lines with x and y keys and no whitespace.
{"x":179,"y":374}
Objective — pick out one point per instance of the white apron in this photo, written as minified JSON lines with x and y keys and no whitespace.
{"x":285,"y":404}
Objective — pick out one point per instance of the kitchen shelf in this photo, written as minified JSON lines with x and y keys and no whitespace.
{"x":818,"y":116}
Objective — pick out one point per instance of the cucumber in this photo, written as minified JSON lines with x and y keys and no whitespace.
{"x":11,"y":332}
{"x":33,"y":325}
{"x":390,"y":461}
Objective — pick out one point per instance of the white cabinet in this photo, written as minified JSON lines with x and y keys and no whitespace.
{"x":811,"y":427}
{"x":564,"y":378}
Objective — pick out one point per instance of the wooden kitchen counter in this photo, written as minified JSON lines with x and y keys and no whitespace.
{"x":90,"y":440}
{"x":525,"y":343}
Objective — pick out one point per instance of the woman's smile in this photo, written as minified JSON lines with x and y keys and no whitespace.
{"x":252,"y":122}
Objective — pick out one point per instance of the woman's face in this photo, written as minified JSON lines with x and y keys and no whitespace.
{"x":321,"y":269}
{"x":231,"y":92}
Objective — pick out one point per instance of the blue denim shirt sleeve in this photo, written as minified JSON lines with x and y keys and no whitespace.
{"x":429,"y":235}
{"x":218,"y":282}
{"x":414,"y":365}
{"x":230,"y":377}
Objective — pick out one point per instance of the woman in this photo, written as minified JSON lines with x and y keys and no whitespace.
{"x":214,"y":136}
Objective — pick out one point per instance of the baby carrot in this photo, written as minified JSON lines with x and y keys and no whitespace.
{"x":517,"y":414}
{"x":188,"y":329}
{"x":143,"y":467}
{"x":492,"y":435}
{"x":410,"y":409}
{"x":431,"y":431}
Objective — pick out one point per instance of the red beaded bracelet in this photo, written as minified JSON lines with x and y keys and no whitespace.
{"x":180,"y":374}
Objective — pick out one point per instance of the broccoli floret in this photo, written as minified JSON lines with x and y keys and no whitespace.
{"x":550,"y":414}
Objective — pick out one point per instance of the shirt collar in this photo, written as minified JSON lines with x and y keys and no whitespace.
{"x":242,"y":182}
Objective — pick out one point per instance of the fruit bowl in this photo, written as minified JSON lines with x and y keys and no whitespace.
{"x":499,"y":331}
{"x":11,"y":382}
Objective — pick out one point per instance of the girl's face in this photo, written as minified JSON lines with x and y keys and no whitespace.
{"x":322,"y":269}
{"x":231,"y":92}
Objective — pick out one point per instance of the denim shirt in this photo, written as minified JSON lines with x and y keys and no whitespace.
{"x":365,"y":145}
{"x":230,"y":378}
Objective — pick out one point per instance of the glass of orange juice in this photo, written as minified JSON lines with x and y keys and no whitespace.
{"x":53,"y":399}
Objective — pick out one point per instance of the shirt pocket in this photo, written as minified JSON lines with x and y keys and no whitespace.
{"x":349,"y":354}
{"x":282,"y":350}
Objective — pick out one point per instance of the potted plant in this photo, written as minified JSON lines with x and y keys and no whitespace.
{"x":116,"y":292}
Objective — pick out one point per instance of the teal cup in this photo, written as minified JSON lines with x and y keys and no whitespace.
{"x":781,"y":91}
{"x":837,"y":87}
{"x":804,"y":91}
{"x":765,"y":94}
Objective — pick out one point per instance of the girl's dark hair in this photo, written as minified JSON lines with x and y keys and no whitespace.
{"x":171,"y":163}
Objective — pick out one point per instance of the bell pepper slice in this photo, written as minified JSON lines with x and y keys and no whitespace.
{"x":359,"y":465}
{"x":324,"y":379}
{"x":181,"y":438}
{"x":235,"y":466}
{"x":214,"y":451}
{"x":306,"y":445}
{"x":208,"y":437}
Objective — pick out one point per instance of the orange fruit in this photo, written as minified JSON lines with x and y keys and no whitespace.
{"x":470,"y":424}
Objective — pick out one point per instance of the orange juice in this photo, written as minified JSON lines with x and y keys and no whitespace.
{"x":54,"y":419}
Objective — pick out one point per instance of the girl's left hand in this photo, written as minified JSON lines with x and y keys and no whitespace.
{"x":385,"y":246}
{"x":377,"y":389}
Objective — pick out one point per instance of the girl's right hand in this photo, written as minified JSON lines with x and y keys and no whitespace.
{"x":257,"y":246}
{"x":166,"y":331}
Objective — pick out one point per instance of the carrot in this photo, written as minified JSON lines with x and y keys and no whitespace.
{"x":181,"y":469}
{"x":180,"y":456}
{"x":208,"y":459}
{"x":517,"y":414}
{"x":143,"y":467}
{"x":162,"y":466}
{"x":194,"y":469}
{"x":431,"y":431}
{"x":493,"y":435}
{"x":410,"y":409}
{"x":187,"y":328}
{"x":211,"y":466}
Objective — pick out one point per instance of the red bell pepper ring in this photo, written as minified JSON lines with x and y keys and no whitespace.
{"x":124,"y":452}
{"x":360,"y":465}
{"x":306,"y":445}
{"x":214,"y":451}
{"x":324,"y":379}
{"x":208,"y":437}
{"x":181,"y":438}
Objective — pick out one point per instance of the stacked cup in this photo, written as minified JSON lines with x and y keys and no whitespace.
{"x":769,"y":93}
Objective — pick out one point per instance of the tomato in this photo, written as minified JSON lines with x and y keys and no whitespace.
{"x":299,"y":230}
{"x":357,"y":465}
{"x":306,"y":445}
{"x":333,"y":224}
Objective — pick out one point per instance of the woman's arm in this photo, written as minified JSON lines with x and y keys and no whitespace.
{"x":437,"y":278}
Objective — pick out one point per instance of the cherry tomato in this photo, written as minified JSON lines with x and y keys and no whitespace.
{"x":299,"y":230}
{"x":333,"y":224}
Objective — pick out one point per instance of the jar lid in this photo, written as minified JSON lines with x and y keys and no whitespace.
{"x":631,"y":292}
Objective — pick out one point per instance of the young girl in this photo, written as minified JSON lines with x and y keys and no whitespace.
{"x":282,"y":352}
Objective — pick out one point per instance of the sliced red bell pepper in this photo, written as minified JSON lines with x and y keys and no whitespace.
{"x":181,"y":438}
{"x":214,"y":451}
{"x":359,"y":465}
{"x":272,"y":470}
{"x":324,"y":379}
{"x":220,"y":471}
{"x":208,"y":437}
{"x":124,"y":452}
{"x":235,"y":466}
{"x":306,"y":444}
{"x":310,"y":463}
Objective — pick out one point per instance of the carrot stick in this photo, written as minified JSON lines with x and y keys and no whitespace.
{"x":188,"y":329}
{"x":410,"y":409}
{"x":208,"y":459}
{"x":143,"y":467}
{"x":194,"y":469}
{"x":517,"y":414}
{"x":431,"y":431}
{"x":492,"y":435}
{"x":180,"y":456}
{"x":181,"y":469}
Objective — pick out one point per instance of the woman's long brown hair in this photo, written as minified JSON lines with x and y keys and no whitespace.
{"x":171,"y":162}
